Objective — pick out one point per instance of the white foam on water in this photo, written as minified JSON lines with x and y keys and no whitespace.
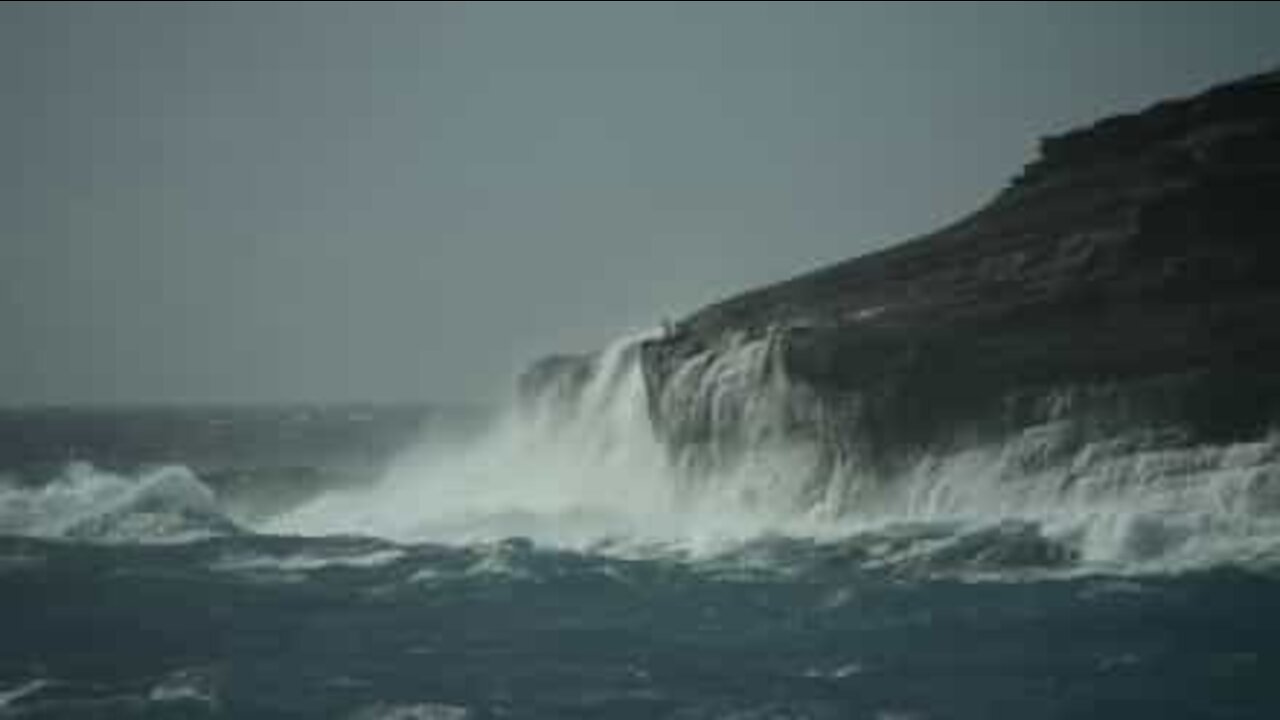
{"x":11,"y":695}
{"x":301,"y":562}
{"x":187,"y":685}
{"x":576,"y":475}
{"x":418,"y":711}
{"x":839,"y":672}
{"x":1117,"y":502}
{"x":585,"y":470}
{"x":164,"y":505}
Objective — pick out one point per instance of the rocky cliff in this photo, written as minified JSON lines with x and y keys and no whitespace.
{"x":1127,"y":279}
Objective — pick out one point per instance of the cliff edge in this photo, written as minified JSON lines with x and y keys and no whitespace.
{"x":1129,"y":277}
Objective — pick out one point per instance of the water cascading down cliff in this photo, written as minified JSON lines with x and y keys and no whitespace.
{"x":1097,"y":351}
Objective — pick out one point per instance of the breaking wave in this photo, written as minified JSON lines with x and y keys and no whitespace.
{"x":576,"y":464}
{"x":84,"y":503}
{"x":567,"y":473}
{"x":579,"y":466}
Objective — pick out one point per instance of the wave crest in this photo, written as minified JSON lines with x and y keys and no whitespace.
{"x":580,"y":466}
{"x":165,"y":505}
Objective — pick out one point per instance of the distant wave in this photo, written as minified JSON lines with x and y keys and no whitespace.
{"x":84,"y":503}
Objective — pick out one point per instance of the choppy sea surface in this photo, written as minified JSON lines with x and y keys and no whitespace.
{"x":523,"y":577}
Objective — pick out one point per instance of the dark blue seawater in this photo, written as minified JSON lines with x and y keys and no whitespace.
{"x":267,"y":627}
{"x":129,"y":589}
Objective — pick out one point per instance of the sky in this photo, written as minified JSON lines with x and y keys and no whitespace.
{"x":255,"y":203}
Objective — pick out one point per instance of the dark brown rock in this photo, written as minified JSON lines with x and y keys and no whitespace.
{"x":1140,"y":255}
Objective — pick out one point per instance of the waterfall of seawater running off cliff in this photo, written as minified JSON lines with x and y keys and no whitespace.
{"x":580,"y":469}
{"x":583,"y":468}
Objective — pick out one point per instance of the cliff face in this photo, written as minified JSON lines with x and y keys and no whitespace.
{"x":1129,"y":277}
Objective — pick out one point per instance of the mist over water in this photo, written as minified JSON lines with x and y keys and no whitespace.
{"x":568,"y":561}
{"x":578,"y":465}
{"x":577,"y":472}
{"x":582,"y":468}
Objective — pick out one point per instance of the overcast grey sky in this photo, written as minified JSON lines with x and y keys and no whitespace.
{"x":401,"y":202}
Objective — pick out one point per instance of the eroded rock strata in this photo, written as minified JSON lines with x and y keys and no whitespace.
{"x":1130,"y":275}
{"x":1120,"y":298}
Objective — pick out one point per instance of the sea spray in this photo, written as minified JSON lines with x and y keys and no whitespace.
{"x":578,"y":463}
{"x":162,"y":505}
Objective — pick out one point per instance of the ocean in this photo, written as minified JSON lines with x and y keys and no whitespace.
{"x":551,"y":561}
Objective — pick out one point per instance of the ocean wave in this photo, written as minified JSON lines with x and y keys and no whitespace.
{"x":16,"y":692}
{"x":580,"y":468}
{"x":416,"y":711}
{"x":296,"y":564}
{"x":84,"y":503}
{"x":187,"y":686}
